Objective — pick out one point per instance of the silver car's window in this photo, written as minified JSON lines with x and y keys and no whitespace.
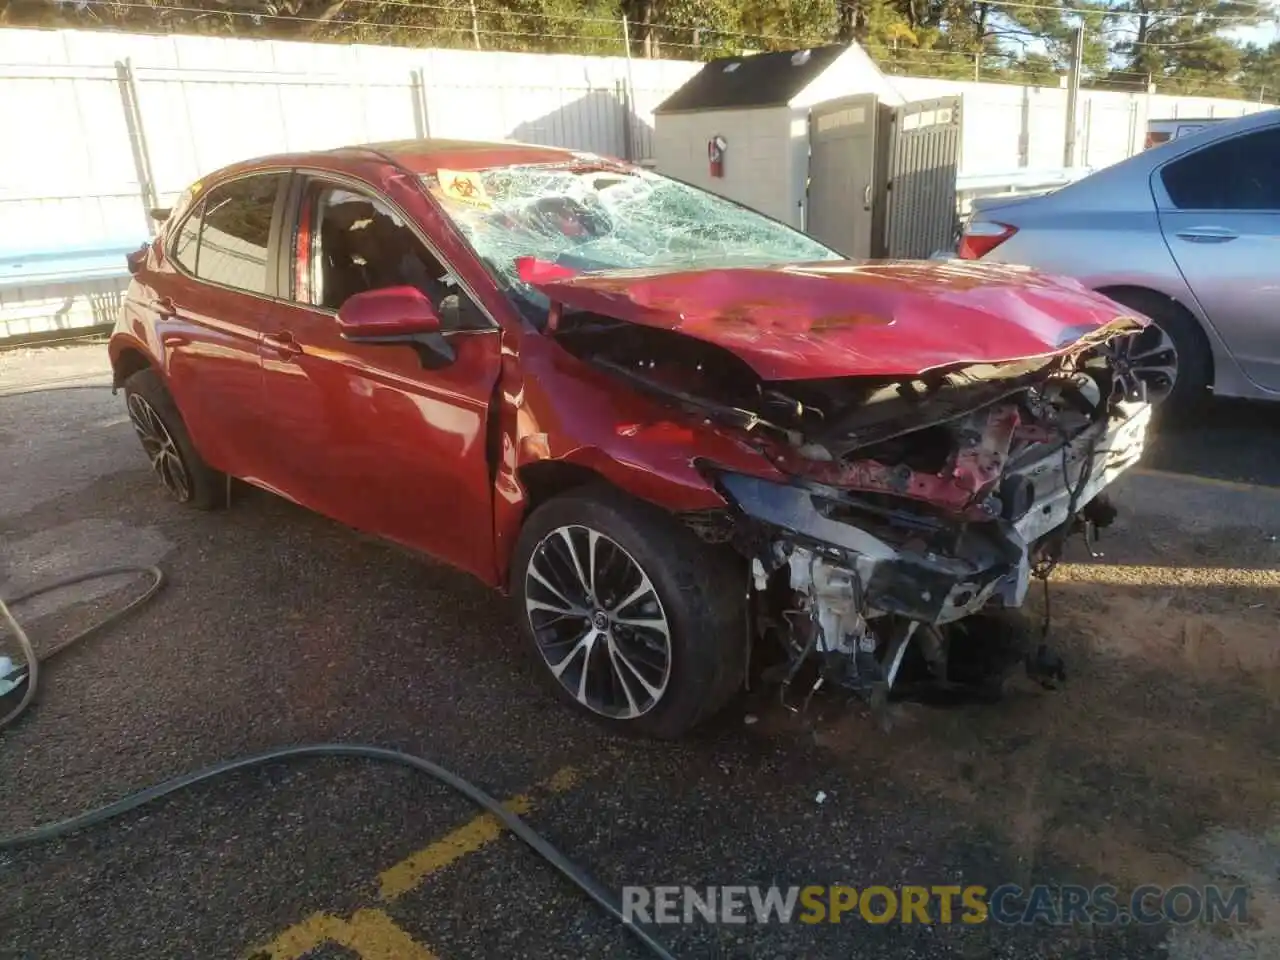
{"x":1242,"y":173}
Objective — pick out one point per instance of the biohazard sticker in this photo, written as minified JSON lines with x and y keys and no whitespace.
{"x":464,"y":186}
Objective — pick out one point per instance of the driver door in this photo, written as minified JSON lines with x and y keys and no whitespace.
{"x":363,"y":432}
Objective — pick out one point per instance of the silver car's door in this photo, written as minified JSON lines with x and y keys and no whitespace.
{"x":1220,"y":215}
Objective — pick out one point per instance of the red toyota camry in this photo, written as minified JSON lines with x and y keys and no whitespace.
{"x":692,"y":443}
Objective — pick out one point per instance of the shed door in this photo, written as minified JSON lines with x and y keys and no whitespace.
{"x":924,"y":159}
{"x":842,"y":161}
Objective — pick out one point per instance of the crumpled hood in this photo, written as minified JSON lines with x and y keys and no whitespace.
{"x":848,"y":318}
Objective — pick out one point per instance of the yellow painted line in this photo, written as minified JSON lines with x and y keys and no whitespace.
{"x":1121,"y":575}
{"x":369,"y":934}
{"x":563,"y":780}
{"x":1207,"y":481}
{"x":410,"y":872}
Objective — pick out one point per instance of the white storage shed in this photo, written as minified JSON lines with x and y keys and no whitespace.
{"x":757,"y":109}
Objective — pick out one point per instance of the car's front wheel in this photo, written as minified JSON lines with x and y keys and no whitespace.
{"x":631,"y":617}
{"x":165,"y":441}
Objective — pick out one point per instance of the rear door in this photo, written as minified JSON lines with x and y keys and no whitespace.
{"x":923,"y":162}
{"x":1220,"y":214}
{"x":363,"y":432}
{"x":844,"y":179}
{"x":209,"y":310}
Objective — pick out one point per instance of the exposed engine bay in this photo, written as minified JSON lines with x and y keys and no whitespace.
{"x":915,"y":504}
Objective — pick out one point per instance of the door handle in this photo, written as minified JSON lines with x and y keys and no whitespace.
{"x":866,"y":196}
{"x":283,"y":344}
{"x":1207,"y":235}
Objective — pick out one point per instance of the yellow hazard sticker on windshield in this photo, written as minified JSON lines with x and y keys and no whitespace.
{"x":464,"y":186}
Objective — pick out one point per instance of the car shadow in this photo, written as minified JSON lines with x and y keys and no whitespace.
{"x":1233,"y":440}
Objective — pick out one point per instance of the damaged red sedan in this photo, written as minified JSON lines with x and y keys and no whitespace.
{"x":694,"y":445}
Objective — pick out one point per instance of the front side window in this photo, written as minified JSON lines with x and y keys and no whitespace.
{"x":1242,"y":173}
{"x":597,"y":215}
{"x":236,"y":230}
{"x":350,"y":243}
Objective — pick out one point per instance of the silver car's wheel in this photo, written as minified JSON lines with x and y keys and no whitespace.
{"x":1145,"y":364}
{"x":598,"y":622}
{"x":162,"y":451}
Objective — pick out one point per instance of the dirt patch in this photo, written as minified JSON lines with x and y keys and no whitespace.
{"x":1118,"y":853}
{"x":1214,"y":620}
{"x":1165,"y":732}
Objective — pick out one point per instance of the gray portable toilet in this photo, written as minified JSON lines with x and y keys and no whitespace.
{"x":882,"y":178}
{"x":821,"y":140}
{"x":758,"y":105}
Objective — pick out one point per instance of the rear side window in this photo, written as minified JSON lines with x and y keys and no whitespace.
{"x":186,"y":246}
{"x":1242,"y":173}
{"x":235,"y":229}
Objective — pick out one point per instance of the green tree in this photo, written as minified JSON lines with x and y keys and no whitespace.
{"x":1260,"y":71}
{"x":1179,"y":44}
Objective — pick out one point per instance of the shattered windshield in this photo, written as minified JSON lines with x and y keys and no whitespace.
{"x":594,"y":216}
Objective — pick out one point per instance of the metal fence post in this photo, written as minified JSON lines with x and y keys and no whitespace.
{"x":628,"y":133}
{"x":1073,"y":98}
{"x":1024,"y":129}
{"x":1132,"y":146}
{"x":421,"y":115}
{"x":137,"y":140}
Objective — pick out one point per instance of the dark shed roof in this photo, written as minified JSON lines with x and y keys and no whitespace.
{"x":758,"y":80}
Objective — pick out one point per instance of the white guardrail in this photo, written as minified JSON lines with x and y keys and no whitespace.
{"x":971,"y":186}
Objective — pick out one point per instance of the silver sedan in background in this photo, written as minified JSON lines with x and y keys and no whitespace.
{"x":1186,"y":233}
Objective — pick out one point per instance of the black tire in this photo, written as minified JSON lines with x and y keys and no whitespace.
{"x":702,"y":593}
{"x":1195,"y":359}
{"x":205,"y":488}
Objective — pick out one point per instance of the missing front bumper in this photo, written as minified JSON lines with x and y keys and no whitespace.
{"x":868,"y":575}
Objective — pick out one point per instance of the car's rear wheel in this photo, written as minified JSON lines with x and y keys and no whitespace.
{"x":1172,"y":359}
{"x":632,"y":618}
{"x":165,"y":441}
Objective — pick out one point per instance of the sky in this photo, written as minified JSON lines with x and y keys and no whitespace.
{"x":1263,"y":34}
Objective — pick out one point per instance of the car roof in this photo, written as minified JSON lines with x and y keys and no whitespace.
{"x":424,"y":156}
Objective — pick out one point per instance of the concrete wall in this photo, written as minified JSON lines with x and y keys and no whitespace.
{"x":757,"y":163}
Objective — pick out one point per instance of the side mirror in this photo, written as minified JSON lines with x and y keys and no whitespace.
{"x":396,"y":315}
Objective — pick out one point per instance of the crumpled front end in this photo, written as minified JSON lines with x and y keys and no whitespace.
{"x":894,"y":509}
{"x":859,"y":558}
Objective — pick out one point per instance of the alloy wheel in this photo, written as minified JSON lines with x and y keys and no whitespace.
{"x":598,"y":622}
{"x":157,"y":442}
{"x":1145,"y":364}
